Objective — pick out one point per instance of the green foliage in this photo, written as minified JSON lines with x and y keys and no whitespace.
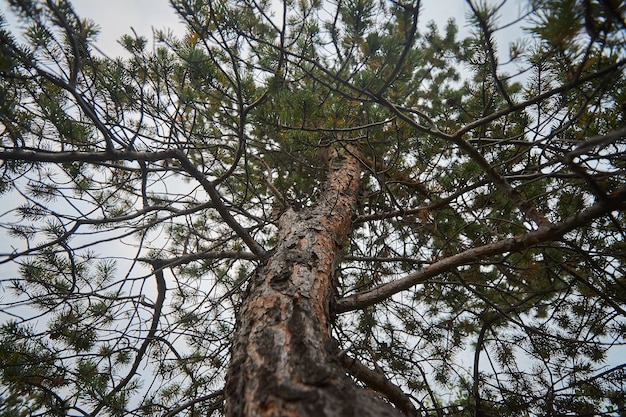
{"x":134,"y":186}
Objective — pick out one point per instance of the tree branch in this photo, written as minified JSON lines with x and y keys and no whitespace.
{"x":182,"y":260}
{"x":214,"y":395}
{"x":150,"y":337}
{"x":221,"y":208}
{"x":493,"y":62}
{"x":378,"y":382}
{"x":538,"y":98}
{"x":499,"y":181}
{"x":615,"y":201}
{"x":38,"y":155}
{"x":60,"y":157}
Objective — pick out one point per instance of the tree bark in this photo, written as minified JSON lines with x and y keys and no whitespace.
{"x":283,"y":359}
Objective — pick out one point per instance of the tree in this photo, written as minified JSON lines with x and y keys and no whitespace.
{"x":313,"y":208}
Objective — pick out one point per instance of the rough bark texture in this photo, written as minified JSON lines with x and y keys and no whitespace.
{"x":284,"y":361}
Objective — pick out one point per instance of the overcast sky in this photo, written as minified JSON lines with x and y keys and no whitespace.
{"x":116,"y":17}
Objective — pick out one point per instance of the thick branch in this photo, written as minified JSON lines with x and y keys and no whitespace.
{"x":378,"y":382}
{"x":221,"y":208}
{"x":616,"y":201}
{"x":182,"y":407}
{"x":37,"y":155}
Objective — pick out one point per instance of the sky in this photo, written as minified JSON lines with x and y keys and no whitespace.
{"x":116,"y":17}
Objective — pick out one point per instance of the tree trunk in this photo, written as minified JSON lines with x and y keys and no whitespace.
{"x":283,"y":360}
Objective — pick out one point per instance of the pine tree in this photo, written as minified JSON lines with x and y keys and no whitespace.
{"x":314,"y":209}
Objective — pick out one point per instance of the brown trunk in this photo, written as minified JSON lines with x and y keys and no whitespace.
{"x":284,"y":361}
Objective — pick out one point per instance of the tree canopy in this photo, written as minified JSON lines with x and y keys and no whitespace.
{"x":480,"y":183}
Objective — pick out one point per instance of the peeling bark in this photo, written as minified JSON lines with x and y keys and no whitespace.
{"x":283,"y":359}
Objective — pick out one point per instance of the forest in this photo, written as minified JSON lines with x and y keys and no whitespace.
{"x":315,"y":208}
